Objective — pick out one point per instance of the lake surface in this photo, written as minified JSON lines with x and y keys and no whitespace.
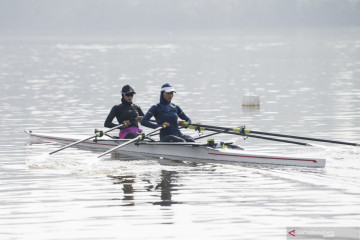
{"x":308,"y":83}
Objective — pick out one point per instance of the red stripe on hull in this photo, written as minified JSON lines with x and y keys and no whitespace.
{"x":67,"y":140}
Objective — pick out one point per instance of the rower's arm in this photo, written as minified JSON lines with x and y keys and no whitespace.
{"x":140,"y":111}
{"x":146,"y":119}
{"x":182,"y":115}
{"x":108,"y":122}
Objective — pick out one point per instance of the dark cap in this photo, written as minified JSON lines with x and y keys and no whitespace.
{"x":127,"y":89}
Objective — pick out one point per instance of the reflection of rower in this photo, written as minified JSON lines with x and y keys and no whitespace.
{"x":166,"y":186}
{"x":127,"y":182}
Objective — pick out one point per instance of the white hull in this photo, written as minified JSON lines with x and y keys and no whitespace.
{"x":187,"y":151}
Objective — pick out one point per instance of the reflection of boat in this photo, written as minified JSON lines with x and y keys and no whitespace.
{"x":186,"y":151}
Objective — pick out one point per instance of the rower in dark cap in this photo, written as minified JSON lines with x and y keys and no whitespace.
{"x":166,"y":114}
{"x":126,"y":113}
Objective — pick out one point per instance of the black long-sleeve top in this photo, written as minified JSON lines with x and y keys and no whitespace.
{"x":122,"y":112}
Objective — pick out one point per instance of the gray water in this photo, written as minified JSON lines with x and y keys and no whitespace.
{"x":308,"y":82}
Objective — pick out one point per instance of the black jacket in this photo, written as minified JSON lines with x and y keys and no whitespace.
{"x":122,"y":112}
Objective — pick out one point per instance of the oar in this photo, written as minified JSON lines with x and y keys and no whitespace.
{"x":98,"y":134}
{"x":141,"y":137}
{"x":304,"y":138}
{"x":244,"y":131}
{"x":208,"y":135}
{"x":254,"y":136}
{"x":202,"y":127}
{"x":275,"y":139}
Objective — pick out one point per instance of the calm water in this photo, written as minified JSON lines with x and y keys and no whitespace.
{"x":308,"y":81}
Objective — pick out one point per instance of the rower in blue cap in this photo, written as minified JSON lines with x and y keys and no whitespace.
{"x":166,"y":114}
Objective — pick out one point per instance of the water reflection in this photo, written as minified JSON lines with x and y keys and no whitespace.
{"x":167,"y":185}
{"x":127,"y":181}
{"x":249,"y":109}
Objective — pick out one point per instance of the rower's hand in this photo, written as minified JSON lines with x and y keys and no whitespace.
{"x":165,"y":124}
{"x":139,"y":118}
{"x":126,"y":123}
{"x":182,"y":123}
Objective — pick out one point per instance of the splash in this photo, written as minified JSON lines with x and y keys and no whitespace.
{"x":38,"y":161}
{"x":77,"y":165}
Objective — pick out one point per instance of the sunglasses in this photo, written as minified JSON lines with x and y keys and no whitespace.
{"x":129,"y":94}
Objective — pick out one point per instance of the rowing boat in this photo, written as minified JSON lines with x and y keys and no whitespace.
{"x":185,"y":151}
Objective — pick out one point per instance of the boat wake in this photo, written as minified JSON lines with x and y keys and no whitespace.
{"x":89,"y":165}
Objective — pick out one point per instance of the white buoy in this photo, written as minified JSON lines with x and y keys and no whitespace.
{"x":251,"y":100}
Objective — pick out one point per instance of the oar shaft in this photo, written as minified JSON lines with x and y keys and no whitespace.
{"x":261,"y":137}
{"x":117,"y":147}
{"x":278,"y":140}
{"x":83,"y":140}
{"x":128,"y":142}
{"x":208,"y":135}
{"x":205,"y":127}
{"x":72,"y":144}
{"x":112,"y":129}
{"x":304,"y":138}
{"x":246,"y":132}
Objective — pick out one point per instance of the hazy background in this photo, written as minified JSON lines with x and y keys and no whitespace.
{"x":169,"y":16}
